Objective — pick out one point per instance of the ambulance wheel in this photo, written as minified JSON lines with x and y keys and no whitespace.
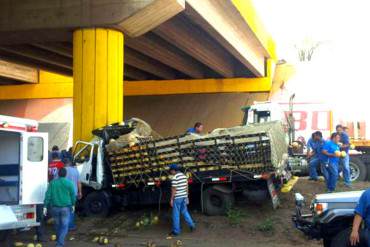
{"x":216,"y":202}
{"x":96,"y":204}
{"x":358,"y":169}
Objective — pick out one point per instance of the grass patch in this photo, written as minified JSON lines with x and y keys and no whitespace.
{"x":266,"y":226}
{"x":235,"y":216}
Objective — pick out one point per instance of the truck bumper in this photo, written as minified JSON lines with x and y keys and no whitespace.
{"x":305,"y":222}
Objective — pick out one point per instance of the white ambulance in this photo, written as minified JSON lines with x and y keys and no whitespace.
{"x":23,"y":172}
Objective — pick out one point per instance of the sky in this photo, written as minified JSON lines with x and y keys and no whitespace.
{"x":338,"y":72}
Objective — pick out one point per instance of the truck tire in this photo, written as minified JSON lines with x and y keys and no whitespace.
{"x":342,"y":239}
{"x":216,"y":202}
{"x":358,"y":169}
{"x":96,"y":204}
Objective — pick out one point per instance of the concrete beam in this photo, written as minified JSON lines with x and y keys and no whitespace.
{"x":223,"y":21}
{"x":134,"y":17}
{"x":158,"y":49}
{"x":18,"y":72}
{"x":166,"y":87}
{"x":180,"y":32}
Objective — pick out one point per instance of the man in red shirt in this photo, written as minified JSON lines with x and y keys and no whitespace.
{"x":54,"y":166}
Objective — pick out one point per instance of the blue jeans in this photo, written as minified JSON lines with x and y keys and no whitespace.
{"x":331,"y":182}
{"x":314,"y":163}
{"x":345,"y":168}
{"x":179,"y":206}
{"x":72,"y":224}
{"x":61,"y":217}
{"x":324,"y":170}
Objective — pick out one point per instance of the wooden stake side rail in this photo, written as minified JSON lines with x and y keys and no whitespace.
{"x":149,"y":160}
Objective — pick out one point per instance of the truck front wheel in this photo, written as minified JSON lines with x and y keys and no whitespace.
{"x":217,"y":202}
{"x":96,"y":204}
{"x":342,"y":239}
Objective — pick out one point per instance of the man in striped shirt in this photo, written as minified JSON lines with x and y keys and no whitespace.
{"x":179,"y":200}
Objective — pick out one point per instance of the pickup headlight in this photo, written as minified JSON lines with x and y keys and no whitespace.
{"x":319,"y":208}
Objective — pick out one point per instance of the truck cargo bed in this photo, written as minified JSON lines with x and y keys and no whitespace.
{"x":242,"y":151}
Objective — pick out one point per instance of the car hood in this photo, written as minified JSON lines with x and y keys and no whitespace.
{"x":349,"y":196}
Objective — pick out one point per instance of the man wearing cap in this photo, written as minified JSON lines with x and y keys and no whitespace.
{"x":179,"y":200}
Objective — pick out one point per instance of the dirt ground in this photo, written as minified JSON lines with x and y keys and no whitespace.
{"x":246,"y":225}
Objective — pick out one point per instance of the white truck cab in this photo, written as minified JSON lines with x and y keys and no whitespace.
{"x":263,"y":111}
{"x":23,"y":172}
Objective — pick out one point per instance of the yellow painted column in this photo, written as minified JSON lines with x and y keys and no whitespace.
{"x":98,"y":80}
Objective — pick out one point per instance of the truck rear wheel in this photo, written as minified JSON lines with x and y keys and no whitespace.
{"x":217,"y":202}
{"x":358,"y":169}
{"x":342,"y":239}
{"x":96,"y":204}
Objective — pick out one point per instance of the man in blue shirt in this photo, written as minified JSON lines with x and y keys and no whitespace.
{"x":197,"y":129}
{"x":362,"y":212}
{"x":331,"y":151}
{"x":344,"y":162}
{"x":314,"y":149}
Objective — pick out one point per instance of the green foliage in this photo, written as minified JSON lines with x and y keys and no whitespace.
{"x":266,"y":226}
{"x":235,"y":216}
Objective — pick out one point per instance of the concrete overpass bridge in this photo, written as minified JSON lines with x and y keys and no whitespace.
{"x":98,"y":51}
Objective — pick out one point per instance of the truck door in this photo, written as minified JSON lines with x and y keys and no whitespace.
{"x":33,"y":167}
{"x":83,"y":157}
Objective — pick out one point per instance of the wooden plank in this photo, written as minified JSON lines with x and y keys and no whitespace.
{"x":145,"y":63}
{"x":180,"y":32}
{"x":157,"y":48}
{"x":151,"y":16}
{"x":40,"y":55}
{"x":30,"y":62}
{"x":222,"y":20}
{"x":18,"y":72}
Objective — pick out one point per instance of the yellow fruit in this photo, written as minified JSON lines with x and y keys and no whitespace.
{"x":137,"y":224}
{"x":18,"y":244}
{"x":30,"y":245}
{"x":105,"y":241}
{"x":96,"y":239}
{"x":337,"y":153}
{"x":38,"y":245}
{"x":155,"y":218}
{"x":53,"y":237}
{"x":101,"y":239}
{"x":343,"y":154}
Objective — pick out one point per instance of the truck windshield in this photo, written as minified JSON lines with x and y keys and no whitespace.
{"x":82,"y":152}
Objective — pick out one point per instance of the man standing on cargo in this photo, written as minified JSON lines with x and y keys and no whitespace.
{"x":344,"y":161}
{"x":197,"y":129}
{"x":60,"y":198}
{"x":179,"y":200}
{"x":314,"y":149}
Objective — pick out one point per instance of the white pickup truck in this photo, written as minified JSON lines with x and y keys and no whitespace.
{"x":23,"y":173}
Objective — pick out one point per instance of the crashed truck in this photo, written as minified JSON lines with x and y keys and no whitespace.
{"x":127,"y":165}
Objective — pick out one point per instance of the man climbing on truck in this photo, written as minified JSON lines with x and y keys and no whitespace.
{"x":179,"y":200}
{"x":197,"y":129}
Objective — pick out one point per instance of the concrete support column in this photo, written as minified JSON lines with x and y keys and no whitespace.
{"x":98,"y":80}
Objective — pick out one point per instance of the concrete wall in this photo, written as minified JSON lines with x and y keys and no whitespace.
{"x":173,"y":114}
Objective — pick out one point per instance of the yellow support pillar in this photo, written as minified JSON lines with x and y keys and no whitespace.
{"x":98,"y":80}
